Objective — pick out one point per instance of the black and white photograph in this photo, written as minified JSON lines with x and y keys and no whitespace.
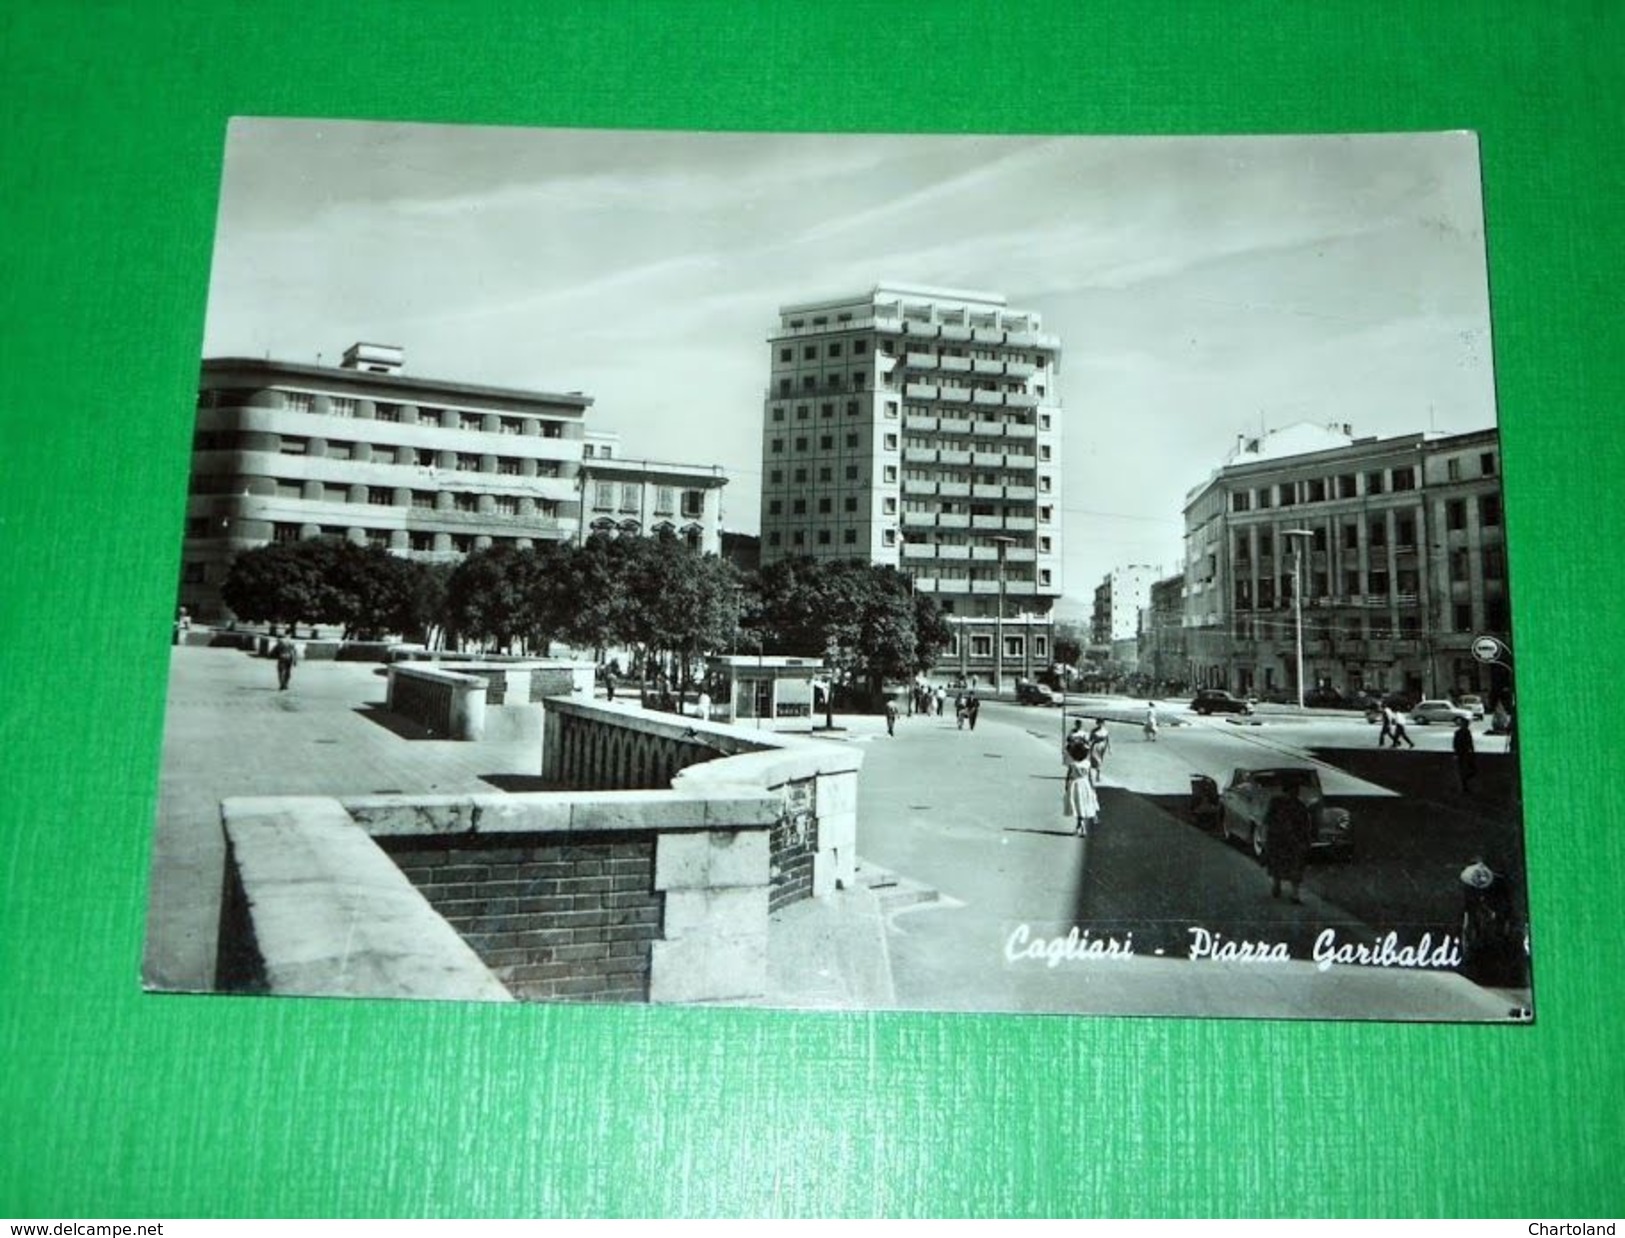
{"x":1043,"y":575}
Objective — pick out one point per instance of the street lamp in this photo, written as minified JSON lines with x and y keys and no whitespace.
{"x":1297,"y":596}
{"x":1003,"y":543}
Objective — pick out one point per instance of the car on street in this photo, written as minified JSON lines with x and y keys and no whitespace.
{"x":1218,"y":701}
{"x":1030,"y":693}
{"x":1374,"y":705}
{"x":1472,"y":703}
{"x":1244,"y":809}
{"x":1424,"y":712}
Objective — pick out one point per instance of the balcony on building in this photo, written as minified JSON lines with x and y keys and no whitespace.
{"x":920,"y":391}
{"x":912,"y":485}
{"x":919,"y":421}
{"x":945,"y":456}
{"x":954,"y":489}
{"x":919,"y":520}
{"x":954,"y":425}
{"x":952,"y":520}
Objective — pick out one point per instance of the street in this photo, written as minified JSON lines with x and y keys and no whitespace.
{"x":978,"y":816}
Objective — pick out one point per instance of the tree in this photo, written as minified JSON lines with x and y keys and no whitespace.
{"x":858,"y":616}
{"x":276,"y":584}
{"x":1068,"y":652}
{"x":503,"y":595}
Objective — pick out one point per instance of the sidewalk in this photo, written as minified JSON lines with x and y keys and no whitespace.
{"x":229,"y":731}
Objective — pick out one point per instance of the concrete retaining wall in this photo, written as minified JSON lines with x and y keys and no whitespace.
{"x":444,"y":703}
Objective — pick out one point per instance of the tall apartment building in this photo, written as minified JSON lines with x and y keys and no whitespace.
{"x":1119,"y":598}
{"x":920,"y":427}
{"x":424,"y":467}
{"x":1400,"y":546}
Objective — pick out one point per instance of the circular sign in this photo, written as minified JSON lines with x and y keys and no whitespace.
{"x":1487,"y":649}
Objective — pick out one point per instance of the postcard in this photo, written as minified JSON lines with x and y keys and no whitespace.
{"x":1049,"y":575}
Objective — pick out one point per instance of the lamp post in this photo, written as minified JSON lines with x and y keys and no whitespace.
{"x":1003,"y":543}
{"x":1297,"y":536}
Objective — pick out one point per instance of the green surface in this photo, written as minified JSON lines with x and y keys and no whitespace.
{"x":112,"y":1102}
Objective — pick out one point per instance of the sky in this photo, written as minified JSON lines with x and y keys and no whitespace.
{"x":1200,"y":287}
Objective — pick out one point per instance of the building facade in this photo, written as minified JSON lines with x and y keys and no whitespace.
{"x":627,"y":497}
{"x":1115,"y":621}
{"x":426,"y":468}
{"x":921,"y":428}
{"x":1162,"y":643}
{"x":1397,"y":546}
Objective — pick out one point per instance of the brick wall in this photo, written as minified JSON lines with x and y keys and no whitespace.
{"x":551,"y":917}
{"x":793,"y":845}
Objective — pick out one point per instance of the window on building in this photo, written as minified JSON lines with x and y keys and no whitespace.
{"x":1489,"y":510}
{"x":849,"y":537}
{"x":506,"y":505}
{"x":1046,"y":513}
{"x":1351,"y":584}
{"x":629,"y":497}
{"x":1405,"y":532}
{"x":466,"y":502}
{"x":507,"y":466}
{"x":849,"y":503}
{"x":1044,"y":485}
{"x":1351,"y":537}
{"x":825,"y":506}
{"x":809,"y":382}
{"x":380,"y":496}
{"x":888,"y":537}
{"x":1405,"y":478}
{"x":799,"y":476}
{"x":801,"y":444}
{"x":775,"y":507}
{"x":1044,"y":544}
{"x":891,"y":473}
{"x":1452,"y":469}
{"x":1377,"y":583}
{"x":1455,"y":515}
{"x":1373,"y":482}
{"x":776,"y":477}
{"x":1266,"y":543}
{"x":776,"y":446}
{"x":1241,"y":501}
{"x":981,"y":646}
{"x":603,"y":495}
{"x":891,"y":442}
{"x":1262,"y":498}
{"x":798,"y":538}
{"x":1314,"y":490}
{"x":851,"y":472}
{"x":823,"y":537}
{"x":773,"y":538}
{"x":428,"y":416}
{"x":467,"y":463}
{"x":809,"y":352}
{"x":859,"y":347}
{"x":693,"y":504}
{"x":785,"y":354}
{"x":1495,"y":563}
{"x":1287,"y":493}
{"x":802,"y":411}
{"x":826,"y":442}
{"x":1377,"y":534}
{"x":1347,"y":486}
{"x":784,"y":386}
{"x":835,"y":348}
{"x":292,"y":445}
{"x":799,"y":507}
{"x":1486,"y":464}
{"x":1461,"y":617}
{"x":284,"y":532}
{"x":778,"y":415}
{"x":423,"y":500}
{"x":665,"y":500}
{"x":299,"y":401}
{"x":889,"y":505}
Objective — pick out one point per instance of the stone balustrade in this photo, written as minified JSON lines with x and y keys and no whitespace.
{"x":444,"y":703}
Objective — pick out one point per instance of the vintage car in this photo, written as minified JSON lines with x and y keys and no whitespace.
{"x":1243,"y":808}
{"x":1425,"y":712}
{"x":1030,"y":693}
{"x":1218,"y":701}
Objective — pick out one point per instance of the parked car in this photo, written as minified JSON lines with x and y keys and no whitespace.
{"x":1244,"y":809}
{"x":1472,"y":703}
{"x":1425,"y":712}
{"x":1326,"y":698}
{"x":1218,"y":701}
{"x":1373,"y":705}
{"x":1030,"y":693}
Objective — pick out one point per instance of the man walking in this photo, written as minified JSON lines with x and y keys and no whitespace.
{"x":1387,"y":731}
{"x":973,"y":706}
{"x":1461,"y":743}
{"x":1399,"y":730}
{"x":287,"y":653}
{"x":891,"y":716}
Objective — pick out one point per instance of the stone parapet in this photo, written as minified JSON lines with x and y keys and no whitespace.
{"x":313,"y":907}
{"x":445,"y":703}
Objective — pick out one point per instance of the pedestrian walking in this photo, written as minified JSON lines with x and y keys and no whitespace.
{"x":891,"y":716}
{"x":287,"y":653}
{"x":1461,"y":743}
{"x":609,"y":684}
{"x":959,"y":710}
{"x":938,"y":698}
{"x":1151,"y":721}
{"x":1399,"y":730}
{"x":972,"y":708}
{"x":1078,"y":798}
{"x":1100,"y":743}
{"x":1387,"y":731}
{"x":1287,"y":830}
